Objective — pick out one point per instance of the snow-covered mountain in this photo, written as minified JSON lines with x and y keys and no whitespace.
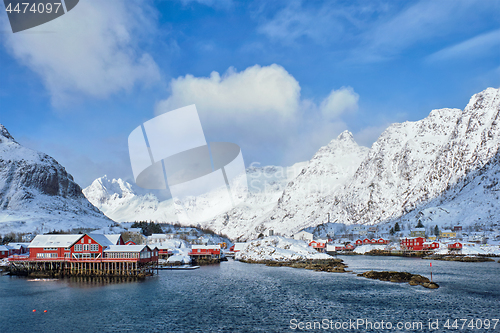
{"x":442,"y":168}
{"x":445,"y":162}
{"x":304,"y":184}
{"x":125,"y":202}
{"x":36,"y":192}
{"x":300,"y":200}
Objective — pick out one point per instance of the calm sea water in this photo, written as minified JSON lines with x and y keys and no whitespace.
{"x":238,"y":297}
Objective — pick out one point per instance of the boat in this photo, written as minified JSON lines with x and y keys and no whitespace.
{"x":183,"y":267}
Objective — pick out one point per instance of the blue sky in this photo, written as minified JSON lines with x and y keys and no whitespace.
{"x":279,"y":78}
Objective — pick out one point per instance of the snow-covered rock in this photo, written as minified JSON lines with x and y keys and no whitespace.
{"x":278,"y":248}
{"x":122,"y":201}
{"x":36,"y":193}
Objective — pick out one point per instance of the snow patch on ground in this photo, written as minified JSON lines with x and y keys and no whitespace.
{"x":278,"y":248}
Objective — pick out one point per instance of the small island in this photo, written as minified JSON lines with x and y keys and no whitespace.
{"x":459,"y":258}
{"x":400,"y":277}
{"x":280,"y":251}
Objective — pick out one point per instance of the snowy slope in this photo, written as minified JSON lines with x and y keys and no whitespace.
{"x":436,"y":161}
{"x":123,"y":201}
{"x":36,"y":192}
{"x":302,"y":203}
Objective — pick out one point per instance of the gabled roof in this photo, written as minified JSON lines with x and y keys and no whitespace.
{"x":125,"y":248}
{"x":104,"y":239}
{"x":158,"y":236}
{"x":54,"y":241}
{"x":18,"y":246}
{"x":4,"y":248}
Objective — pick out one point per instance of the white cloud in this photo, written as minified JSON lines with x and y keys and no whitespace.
{"x":91,"y":51}
{"x":420,"y":23}
{"x":338,"y":102}
{"x":260,"y":108}
{"x":268,"y":90}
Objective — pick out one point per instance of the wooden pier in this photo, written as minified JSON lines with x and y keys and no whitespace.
{"x":60,"y":268}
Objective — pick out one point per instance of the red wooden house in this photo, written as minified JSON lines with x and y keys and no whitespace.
{"x":367,"y":241}
{"x":413,"y":243}
{"x":455,"y":246}
{"x":349,"y":247}
{"x":205,"y":251}
{"x":137,"y":253}
{"x":71,"y":247}
{"x":4,"y":251}
{"x":318,"y":245}
{"x":431,"y":245}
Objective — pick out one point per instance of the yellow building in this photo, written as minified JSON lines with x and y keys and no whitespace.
{"x":417,"y":232}
{"x":448,"y":234}
{"x":432,"y":238}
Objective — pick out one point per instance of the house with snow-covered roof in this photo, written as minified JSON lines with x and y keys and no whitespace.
{"x":205,"y":251}
{"x":4,"y":251}
{"x":304,"y":235}
{"x":448,"y":234}
{"x":417,"y":232}
{"x":156,"y":238}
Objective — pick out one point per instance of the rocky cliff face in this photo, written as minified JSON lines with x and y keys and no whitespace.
{"x":35,"y":189}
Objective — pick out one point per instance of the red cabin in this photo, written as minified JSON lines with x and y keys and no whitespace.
{"x":4,"y":251}
{"x":205,"y":251}
{"x":319,"y":246}
{"x":349,"y":247}
{"x":431,"y":245}
{"x":413,"y":243}
{"x":455,"y":246}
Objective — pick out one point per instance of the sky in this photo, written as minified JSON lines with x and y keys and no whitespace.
{"x":278,"y":78}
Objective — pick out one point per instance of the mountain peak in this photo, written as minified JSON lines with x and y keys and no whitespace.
{"x":345,"y":136}
{"x":4,"y":134}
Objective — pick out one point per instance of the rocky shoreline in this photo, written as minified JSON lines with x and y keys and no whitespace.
{"x":319,"y":265}
{"x":400,"y":277}
{"x":459,"y":258}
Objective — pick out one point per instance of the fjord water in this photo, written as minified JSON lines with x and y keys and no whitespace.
{"x":239,"y":297}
